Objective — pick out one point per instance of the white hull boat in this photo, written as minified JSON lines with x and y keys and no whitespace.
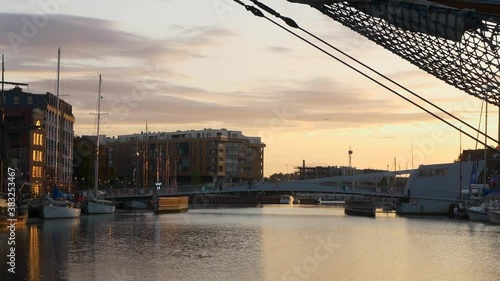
{"x":477,"y":214}
{"x":93,"y":205}
{"x":98,"y":207}
{"x":59,"y":212}
{"x":494,"y":216}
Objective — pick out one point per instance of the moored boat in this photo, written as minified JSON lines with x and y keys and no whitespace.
{"x":60,"y":212}
{"x":171,"y":204}
{"x":359,"y":207}
{"x":432,"y":189}
{"x":477,"y":213}
{"x":58,"y":207}
{"x":97,"y":206}
{"x":494,"y":216}
{"x":287,"y":199}
{"x":92,"y":204}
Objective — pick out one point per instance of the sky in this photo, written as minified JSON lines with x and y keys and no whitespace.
{"x":194,"y":64}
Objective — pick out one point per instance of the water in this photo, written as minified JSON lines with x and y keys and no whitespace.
{"x":271,"y":243}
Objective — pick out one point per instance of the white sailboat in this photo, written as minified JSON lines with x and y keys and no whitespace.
{"x":93,"y":205}
{"x":52,"y":208}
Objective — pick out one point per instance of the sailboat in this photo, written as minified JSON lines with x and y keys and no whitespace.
{"x":60,"y":205}
{"x":93,"y":205}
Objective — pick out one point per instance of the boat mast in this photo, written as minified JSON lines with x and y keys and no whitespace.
{"x":485,"y":138}
{"x":57,"y":116}
{"x":146,"y":158}
{"x":157,"y":161}
{"x":96,"y":173}
{"x":167,"y":163}
{"x":2,"y":127}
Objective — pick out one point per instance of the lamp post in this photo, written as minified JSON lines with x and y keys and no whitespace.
{"x":287,"y":177}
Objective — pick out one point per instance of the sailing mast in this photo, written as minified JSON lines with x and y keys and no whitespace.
{"x":2,"y":127}
{"x":485,"y":139}
{"x":57,"y":116}
{"x":167,"y":163}
{"x":157,"y":161}
{"x":146,"y":158}
{"x":96,"y":172}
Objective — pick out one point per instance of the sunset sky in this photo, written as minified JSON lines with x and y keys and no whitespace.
{"x":186,"y":64}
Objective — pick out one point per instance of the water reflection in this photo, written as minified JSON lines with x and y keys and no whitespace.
{"x":269,"y":244}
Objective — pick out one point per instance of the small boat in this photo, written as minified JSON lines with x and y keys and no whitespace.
{"x":477,"y":213}
{"x":175,"y":204}
{"x":359,"y":207}
{"x":286,"y":199}
{"x":97,"y":206}
{"x":388,"y":207}
{"x":494,"y":216}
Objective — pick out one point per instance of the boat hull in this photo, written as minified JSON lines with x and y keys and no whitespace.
{"x":426,"y":207}
{"x":360,"y":207}
{"x":494,"y":216}
{"x":135,"y":205}
{"x":90,"y":207}
{"x":477,"y":214}
{"x":56,"y":212}
{"x":287,"y":200}
{"x":172,"y":205}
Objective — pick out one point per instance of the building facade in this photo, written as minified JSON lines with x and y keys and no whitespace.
{"x":182,"y":157}
{"x":32,"y":121}
{"x":314,"y":172}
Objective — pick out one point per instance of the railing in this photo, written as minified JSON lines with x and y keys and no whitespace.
{"x":237,"y":187}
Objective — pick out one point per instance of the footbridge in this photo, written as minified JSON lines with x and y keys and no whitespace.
{"x":360,"y":185}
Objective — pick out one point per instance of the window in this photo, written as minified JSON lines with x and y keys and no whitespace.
{"x":16,"y":100}
{"x":30,"y":100}
{"x":433,"y":172}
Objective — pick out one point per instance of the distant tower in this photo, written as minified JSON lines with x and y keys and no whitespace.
{"x":350,"y":157}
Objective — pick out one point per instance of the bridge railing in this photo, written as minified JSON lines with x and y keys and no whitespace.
{"x":194,"y":189}
{"x":138,"y":192}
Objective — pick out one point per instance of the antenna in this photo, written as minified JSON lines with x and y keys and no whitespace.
{"x":350,"y":157}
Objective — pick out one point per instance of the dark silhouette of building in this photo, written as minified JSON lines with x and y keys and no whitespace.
{"x":31,"y":122}
{"x":182,"y":157}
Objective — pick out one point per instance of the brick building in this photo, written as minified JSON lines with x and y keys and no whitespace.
{"x":181,"y":157}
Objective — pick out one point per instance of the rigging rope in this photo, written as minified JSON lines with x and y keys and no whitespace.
{"x":255,"y":11}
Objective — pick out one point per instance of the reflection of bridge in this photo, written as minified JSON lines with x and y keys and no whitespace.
{"x":345,"y":185}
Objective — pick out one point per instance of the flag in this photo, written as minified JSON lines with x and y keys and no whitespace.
{"x":473,"y":177}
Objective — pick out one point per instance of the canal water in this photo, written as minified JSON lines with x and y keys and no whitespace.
{"x":271,"y":243}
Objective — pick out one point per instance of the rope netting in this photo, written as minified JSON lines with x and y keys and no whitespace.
{"x":460,"y":47}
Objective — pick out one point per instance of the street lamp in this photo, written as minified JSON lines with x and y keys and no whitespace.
{"x":287,"y":177}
